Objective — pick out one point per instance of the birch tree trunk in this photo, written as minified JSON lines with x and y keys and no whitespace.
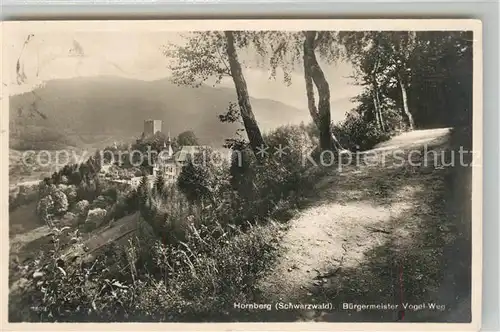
{"x":376,"y":111}
{"x":251,"y":126}
{"x":320,"y":113}
{"x":406,"y":110}
{"x":311,"y":100}
{"x":380,"y":114}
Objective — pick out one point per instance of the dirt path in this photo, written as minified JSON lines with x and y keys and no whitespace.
{"x":324,"y":238}
{"x":367,"y":219}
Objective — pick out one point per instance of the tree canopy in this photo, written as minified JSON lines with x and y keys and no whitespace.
{"x":187,"y":137}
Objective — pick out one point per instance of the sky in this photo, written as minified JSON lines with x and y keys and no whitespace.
{"x":139,"y":56}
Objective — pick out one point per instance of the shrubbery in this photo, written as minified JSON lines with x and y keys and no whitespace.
{"x":357,"y":134}
{"x":82,"y":207}
{"x":203,"y":178}
{"x":53,"y":203}
{"x":278,"y":181}
{"x":197,"y":279}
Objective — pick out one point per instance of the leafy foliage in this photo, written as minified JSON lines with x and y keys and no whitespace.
{"x":60,"y":202}
{"x":214,"y":55}
{"x":187,"y":138}
{"x":199,"y":278}
{"x":81,"y":208}
{"x":356,"y":134}
{"x":434,"y":69}
{"x":53,"y":203}
{"x":199,"y":178}
{"x":278,"y":182}
{"x":45,"y":208}
{"x":203,"y":57}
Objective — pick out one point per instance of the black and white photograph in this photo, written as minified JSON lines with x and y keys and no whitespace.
{"x":276,"y":171}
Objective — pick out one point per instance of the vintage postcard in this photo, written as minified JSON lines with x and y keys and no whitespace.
{"x":313,"y":174}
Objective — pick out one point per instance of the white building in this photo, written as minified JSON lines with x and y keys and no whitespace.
{"x":166,"y":163}
{"x":170,"y":164}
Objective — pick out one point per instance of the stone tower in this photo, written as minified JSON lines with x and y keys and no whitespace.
{"x":151,"y":127}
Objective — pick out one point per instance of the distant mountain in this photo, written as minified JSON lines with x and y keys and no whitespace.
{"x":99,"y":110}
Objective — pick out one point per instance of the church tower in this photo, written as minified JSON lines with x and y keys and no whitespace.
{"x":166,"y":163}
{"x":168,"y":146}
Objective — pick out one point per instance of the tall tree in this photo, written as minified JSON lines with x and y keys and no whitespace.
{"x":400,"y":46}
{"x":253,"y":131}
{"x":287,"y":50}
{"x":213,"y":54}
{"x":314,"y":74}
{"x":361,"y":48}
{"x":372,"y":79}
{"x":159,"y":184}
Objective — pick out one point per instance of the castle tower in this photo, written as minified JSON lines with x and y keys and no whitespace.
{"x":151,"y":127}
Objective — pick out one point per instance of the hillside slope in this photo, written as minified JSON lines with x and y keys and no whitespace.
{"x":101,"y":109}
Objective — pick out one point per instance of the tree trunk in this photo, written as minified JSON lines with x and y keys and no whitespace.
{"x":376,"y":96}
{"x":321,"y":113}
{"x":251,"y":126}
{"x":376,"y":111}
{"x":311,"y":101}
{"x":380,"y":115}
{"x":406,"y":110}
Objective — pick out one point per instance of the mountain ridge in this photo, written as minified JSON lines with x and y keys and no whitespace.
{"x":97,"y":109}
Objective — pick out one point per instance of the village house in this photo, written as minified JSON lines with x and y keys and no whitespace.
{"x":168,"y":163}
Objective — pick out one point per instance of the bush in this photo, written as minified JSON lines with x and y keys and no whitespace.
{"x":207,"y":274}
{"x":69,"y":219}
{"x":58,"y":291}
{"x":121,"y":208}
{"x":69,"y":191}
{"x":278,"y":181}
{"x":202,"y":177}
{"x":95,"y":218}
{"x":64,"y":179}
{"x":54,"y":203}
{"x":290,"y":168}
{"x":45,"y":208}
{"x":60,"y":202}
{"x":45,"y":189}
{"x":102,"y":202}
{"x":355,"y":133}
{"x":81,"y":208}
